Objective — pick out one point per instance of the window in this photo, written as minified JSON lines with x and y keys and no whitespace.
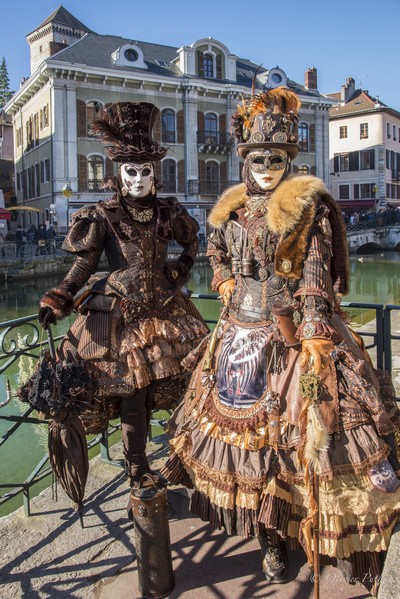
{"x":367,"y":191}
{"x":37,"y":179}
{"x":343,"y":132}
{"x":394,"y":133}
{"x":168,"y":125}
{"x":131,"y":55}
{"x":344,"y":192}
{"x":210,"y":128}
{"x":344,"y":163}
{"x":303,"y":137}
{"x":388,"y":130}
{"x":367,"y":160}
{"x":363,"y":130}
{"x":356,"y":191}
{"x":276,"y":78}
{"x":212,"y":177}
{"x":169,"y":175}
{"x":45,"y":116}
{"x":19,"y":181}
{"x":303,"y":169}
{"x":208,"y":65}
{"x":348,"y":161}
{"x":95,"y":172}
{"x":92,"y":110}
{"x":46,"y":169}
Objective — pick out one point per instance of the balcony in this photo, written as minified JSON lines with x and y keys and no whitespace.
{"x":206,"y":187}
{"x":214,"y":142}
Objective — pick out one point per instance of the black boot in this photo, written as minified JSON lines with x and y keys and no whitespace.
{"x":274,"y":559}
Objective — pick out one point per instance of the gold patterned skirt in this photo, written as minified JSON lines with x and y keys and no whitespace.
{"x":246,"y":475}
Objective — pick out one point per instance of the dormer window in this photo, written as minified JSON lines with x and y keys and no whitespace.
{"x":208,"y":65}
{"x":273,"y":78}
{"x":276,"y":77}
{"x":129,"y":55}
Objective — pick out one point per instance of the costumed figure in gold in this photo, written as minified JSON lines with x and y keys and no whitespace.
{"x":134,"y":325}
{"x":247,"y":438}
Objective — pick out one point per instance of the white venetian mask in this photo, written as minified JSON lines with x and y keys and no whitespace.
{"x":137,"y":179}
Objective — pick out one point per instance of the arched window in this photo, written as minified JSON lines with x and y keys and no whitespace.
{"x":208,"y":63}
{"x":95,"y":166}
{"x":212,"y":177}
{"x":93,"y":109}
{"x":168,"y":125}
{"x":211,"y":128}
{"x":303,"y":169}
{"x":169,"y":175}
{"x":303,"y":137}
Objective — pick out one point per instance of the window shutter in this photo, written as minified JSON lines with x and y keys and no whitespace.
{"x":223,"y":172}
{"x":157,"y":127}
{"x":180,"y":126}
{"x":200,"y":122}
{"x":312,"y":137}
{"x":295,"y":169}
{"x":219,"y":66}
{"x":336,"y":163}
{"x":82,"y":173}
{"x":81,"y":118}
{"x":354,"y":162}
{"x":200,"y":63}
{"x":181,"y":176}
{"x":372,"y":159}
{"x":313,"y":170}
{"x":222,"y":125}
{"x":109,"y":168}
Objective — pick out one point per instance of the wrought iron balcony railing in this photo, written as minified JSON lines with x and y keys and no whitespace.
{"x":216,"y":142}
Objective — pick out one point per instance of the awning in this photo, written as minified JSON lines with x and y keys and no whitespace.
{"x":5,"y":214}
{"x":24,"y":208}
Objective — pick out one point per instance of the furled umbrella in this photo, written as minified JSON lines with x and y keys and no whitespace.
{"x":58,"y":388}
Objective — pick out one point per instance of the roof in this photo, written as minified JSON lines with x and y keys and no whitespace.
{"x":63,"y":17}
{"x":95,"y":50}
{"x":360,"y":101}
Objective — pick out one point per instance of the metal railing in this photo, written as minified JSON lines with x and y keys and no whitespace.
{"x":21,"y":338}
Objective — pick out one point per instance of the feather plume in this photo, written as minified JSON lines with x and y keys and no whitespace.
{"x":281,"y":99}
{"x":108,"y":129}
{"x":253,"y":85}
{"x":317,"y":438}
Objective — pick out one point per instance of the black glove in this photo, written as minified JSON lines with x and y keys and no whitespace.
{"x":177,"y":272}
{"x":46,"y":316}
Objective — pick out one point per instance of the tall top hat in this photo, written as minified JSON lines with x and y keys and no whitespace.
{"x":127,"y":129}
{"x":268,"y":120}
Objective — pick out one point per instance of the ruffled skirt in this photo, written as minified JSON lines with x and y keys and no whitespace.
{"x":245,"y":477}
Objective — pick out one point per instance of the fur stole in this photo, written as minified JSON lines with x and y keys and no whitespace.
{"x":292,"y":211}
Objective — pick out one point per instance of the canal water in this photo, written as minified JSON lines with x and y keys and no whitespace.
{"x":374,"y":279}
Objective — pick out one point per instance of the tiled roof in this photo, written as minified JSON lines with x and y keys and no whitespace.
{"x":95,"y":50}
{"x":360,"y":101}
{"x":63,"y":17}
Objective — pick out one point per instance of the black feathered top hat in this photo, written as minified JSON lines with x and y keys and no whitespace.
{"x":126,"y":130}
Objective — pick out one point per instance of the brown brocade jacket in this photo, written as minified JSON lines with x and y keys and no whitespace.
{"x":136,"y":251}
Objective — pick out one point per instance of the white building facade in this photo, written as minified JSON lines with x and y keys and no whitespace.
{"x":364,"y":151}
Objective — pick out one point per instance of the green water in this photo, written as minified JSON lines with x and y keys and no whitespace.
{"x":374,"y":279}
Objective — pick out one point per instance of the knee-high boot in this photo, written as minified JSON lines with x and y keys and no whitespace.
{"x":135,"y":417}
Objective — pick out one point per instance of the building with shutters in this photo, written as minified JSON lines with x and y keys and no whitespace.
{"x":76,"y":72}
{"x":364,"y":138}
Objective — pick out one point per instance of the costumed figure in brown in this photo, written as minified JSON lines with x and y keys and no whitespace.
{"x":247,"y":434}
{"x":134,"y":325}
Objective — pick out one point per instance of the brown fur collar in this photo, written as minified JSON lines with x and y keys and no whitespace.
{"x":285,"y":206}
{"x":292,"y":210}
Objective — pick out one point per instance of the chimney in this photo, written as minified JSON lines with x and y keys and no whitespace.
{"x":348,"y":89}
{"x":310,"y":78}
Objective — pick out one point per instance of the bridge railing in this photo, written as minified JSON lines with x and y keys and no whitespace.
{"x":21,"y":340}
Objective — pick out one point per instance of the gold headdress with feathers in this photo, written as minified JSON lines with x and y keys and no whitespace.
{"x":269,"y":119}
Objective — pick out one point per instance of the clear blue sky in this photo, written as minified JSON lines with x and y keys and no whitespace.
{"x":342,"y":38}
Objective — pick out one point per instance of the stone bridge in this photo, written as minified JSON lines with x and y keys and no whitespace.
{"x":367,"y":236}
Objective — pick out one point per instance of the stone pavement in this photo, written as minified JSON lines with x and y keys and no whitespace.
{"x":49,"y":555}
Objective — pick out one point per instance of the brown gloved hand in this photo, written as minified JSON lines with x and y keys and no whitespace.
{"x":225,"y":290}
{"x":318,"y":351}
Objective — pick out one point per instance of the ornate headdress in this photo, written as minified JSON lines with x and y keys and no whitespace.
{"x":268,"y":120}
{"x":126,"y":128}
